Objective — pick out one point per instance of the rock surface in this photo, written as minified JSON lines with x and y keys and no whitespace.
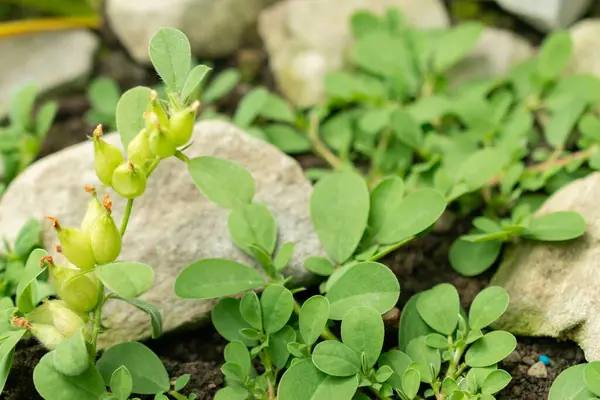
{"x":49,"y":59}
{"x":307,"y":39}
{"x":497,"y":51}
{"x":553,"y":288}
{"x":214,"y":28}
{"x":172,"y":224}
{"x":586,"y":46}
{"x":547,"y":15}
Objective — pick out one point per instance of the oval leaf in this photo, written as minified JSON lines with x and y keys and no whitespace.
{"x":171,"y":56}
{"x":495,"y":382}
{"x":363,"y":332}
{"x":557,"y":226}
{"x":411,"y":381}
{"x":473,"y":258}
{"x":439,"y":308}
{"x":412,"y":325}
{"x":71,"y":357}
{"x":121,"y":383}
{"x":251,"y":311}
{"x":130,"y":113}
{"x":420,"y":353}
{"x":312,"y":319}
{"x":277,"y":304}
{"x":253,"y":224}
{"x":319,"y":265}
{"x":490,"y":349}
{"x":237,"y":353}
{"x":386,"y":197}
{"x":336,"y":359}
{"x":193,"y":80}
{"x":592,"y":377}
{"x":228,"y":321}
{"x":126,"y":279}
{"x":27,"y":289}
{"x":570,"y":385}
{"x":215,"y":277}
{"x":487,"y":307}
{"x":303,"y":381}
{"x":399,"y":363}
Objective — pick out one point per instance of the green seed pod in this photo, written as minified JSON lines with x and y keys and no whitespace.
{"x":182,"y":125}
{"x":106,"y":157}
{"x":79,"y":291}
{"x":48,"y":335}
{"x":75,"y":245}
{"x":129,"y":180}
{"x":57,"y":313}
{"x":105,"y":236}
{"x":139,"y":151}
{"x":94,"y":211}
{"x":157,"y":109}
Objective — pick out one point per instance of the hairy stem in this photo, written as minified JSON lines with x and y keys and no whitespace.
{"x":317,"y":144}
{"x":126,"y":216}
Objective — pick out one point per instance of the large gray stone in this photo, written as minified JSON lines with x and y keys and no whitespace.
{"x":547,"y":15}
{"x":306,"y":39}
{"x":553,"y":288}
{"x":172,"y":224}
{"x":216,"y":28}
{"x":49,"y":59}
{"x":586,"y":46}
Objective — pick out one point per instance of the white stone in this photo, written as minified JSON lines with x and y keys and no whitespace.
{"x":49,"y":59}
{"x":306,"y":39}
{"x":586,"y":46}
{"x":547,"y":15}
{"x":172,"y":224}
{"x":215,"y":28}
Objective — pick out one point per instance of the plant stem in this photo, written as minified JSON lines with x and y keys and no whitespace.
{"x":454,"y":362}
{"x":382,"y":146}
{"x":387,"y":251}
{"x":182,"y":156}
{"x":177,"y":396}
{"x":265,"y":359}
{"x":97,"y":320}
{"x":326,"y":334}
{"x":126,"y":216}
{"x":318,"y":146}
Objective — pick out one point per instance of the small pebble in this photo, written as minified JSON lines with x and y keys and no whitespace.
{"x":545,"y":359}
{"x":513,"y":357}
{"x":538,"y":370}
{"x":528,"y":360}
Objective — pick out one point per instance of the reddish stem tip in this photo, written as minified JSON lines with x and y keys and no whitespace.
{"x":46,"y":259}
{"x":55,"y":223}
{"x":107,"y":203}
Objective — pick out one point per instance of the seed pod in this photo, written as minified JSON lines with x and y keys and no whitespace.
{"x":79,"y":291}
{"x":129,"y":180}
{"x":105,"y":236}
{"x":106,"y":157}
{"x":139,"y":151}
{"x":160,"y":144}
{"x":75,"y":245}
{"x":48,"y":335}
{"x":57,"y":313}
{"x":182,"y":124}
{"x":157,"y":108}
{"x":94,"y":211}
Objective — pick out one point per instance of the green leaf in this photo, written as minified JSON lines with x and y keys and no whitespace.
{"x":303,"y":381}
{"x":45,"y":117}
{"x":250,"y":107}
{"x":419,"y":352}
{"x":411,"y":381}
{"x":364,"y":22}
{"x":555,"y":54}
{"x":251,"y":311}
{"x":193,"y":80}
{"x":125,"y":278}
{"x":182,"y":382}
{"x":412,"y":325}
{"x":407,"y":130}
{"x":336,"y":359}
{"x":278,"y":343}
{"x":490,"y":349}
{"x":563,"y":121}
{"x":319,"y":265}
{"x":148,"y":374}
{"x":103,"y":95}
{"x":276,"y":108}
{"x":171,"y":56}
{"x":592,"y":377}
{"x":27,"y":288}
{"x":363,"y":332}
{"x":495,"y":382}
{"x":284,"y":255}
{"x":480,"y":167}
{"x":253,"y":224}
{"x":287,"y":138}
{"x":374,"y":120}
{"x":368,"y":284}
{"x":473,"y":258}
{"x":231,"y":393}
{"x":312,"y":319}
{"x":121,"y":383}
{"x":221,"y":85}
{"x":71,"y":356}
{"x":382,"y":54}
{"x":228,"y":321}
{"x":417,"y":212}
{"x":28,"y":238}
{"x":429,"y":108}
{"x":277,"y":305}
{"x":339,"y":208}
{"x":237,"y":353}
{"x":398,"y":362}
{"x":571,"y":385}
{"x":223,"y":182}
{"x":7,"y":351}
{"x":487,"y":307}
{"x":21,"y":107}
{"x":439,"y":308}
{"x":383,"y":373}
{"x":52,"y":385}
{"x":151,"y":310}
{"x":385,"y":198}
{"x":130,"y":113}
{"x":216,"y":277}
{"x":437,"y":341}
{"x":556,"y":226}
{"x":454,"y":44}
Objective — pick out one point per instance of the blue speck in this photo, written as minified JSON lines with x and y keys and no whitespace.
{"x":545,"y":359}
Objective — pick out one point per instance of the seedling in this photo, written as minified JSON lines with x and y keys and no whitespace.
{"x":577,"y":382}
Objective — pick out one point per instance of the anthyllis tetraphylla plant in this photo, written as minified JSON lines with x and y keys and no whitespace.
{"x":69,"y":326}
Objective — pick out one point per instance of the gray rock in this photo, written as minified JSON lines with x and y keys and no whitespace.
{"x":497,"y":51}
{"x":49,"y":59}
{"x":538,"y":370}
{"x":553,"y":287}
{"x":586,"y":46}
{"x":547,"y":15}
{"x":307,"y":39}
{"x":172,"y":224}
{"x":215,"y":28}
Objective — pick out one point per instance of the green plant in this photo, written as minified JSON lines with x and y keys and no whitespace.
{"x":103,"y":95}
{"x":577,"y":382}
{"x":490,"y":144}
{"x":21,"y":140}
